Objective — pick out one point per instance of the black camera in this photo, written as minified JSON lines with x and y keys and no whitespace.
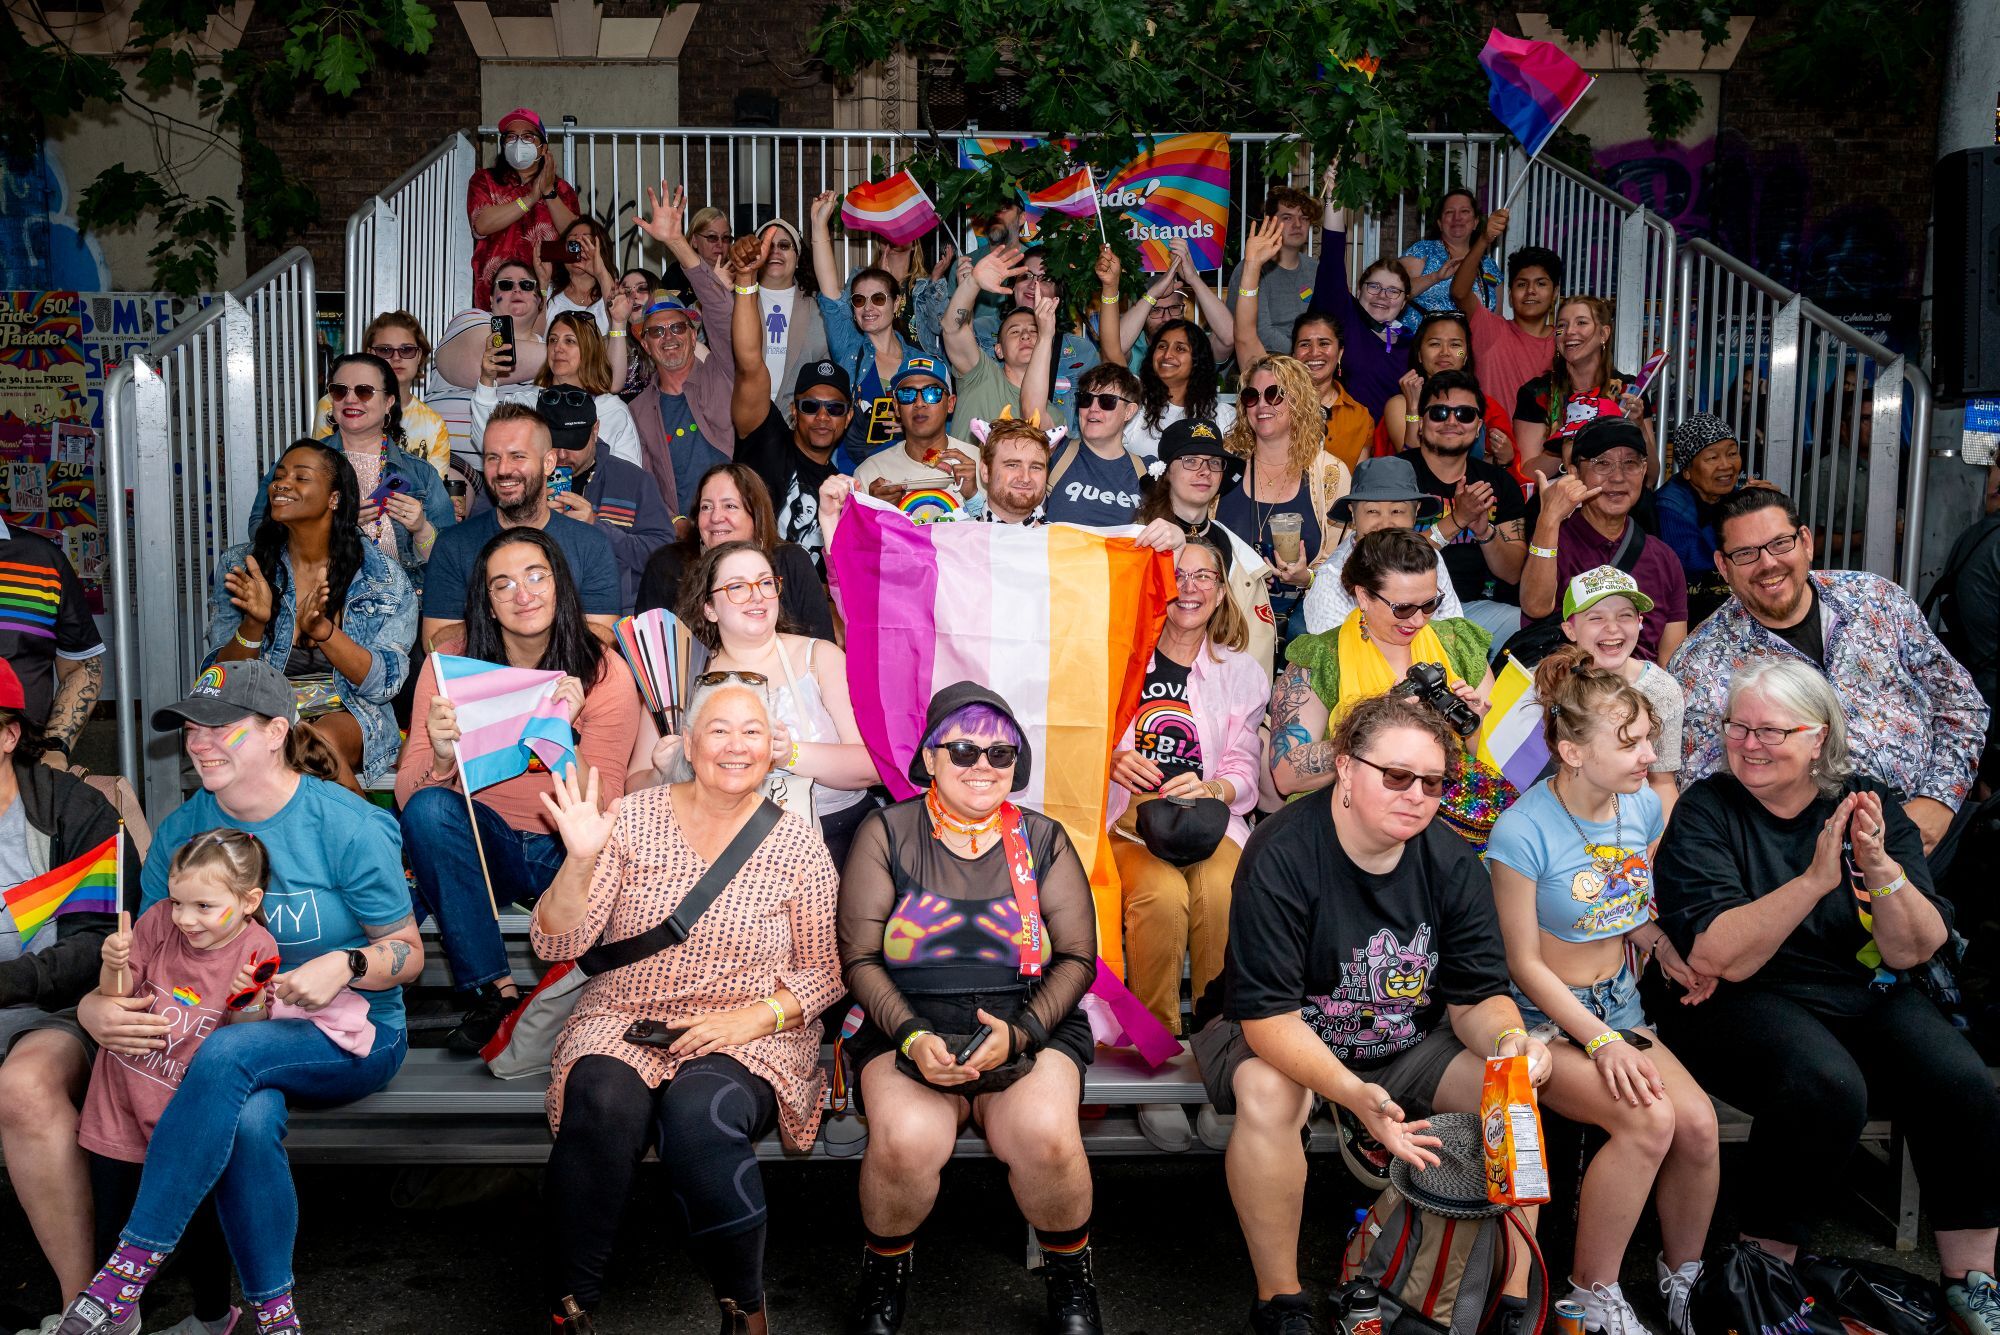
{"x":1426,"y":682}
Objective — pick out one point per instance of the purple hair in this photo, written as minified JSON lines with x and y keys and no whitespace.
{"x":979,"y":720}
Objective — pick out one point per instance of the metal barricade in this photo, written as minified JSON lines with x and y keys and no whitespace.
{"x":410,"y":247}
{"x":1834,"y":419}
{"x":192,"y":424}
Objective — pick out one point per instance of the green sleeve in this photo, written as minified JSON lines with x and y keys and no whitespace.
{"x":1465,"y":646}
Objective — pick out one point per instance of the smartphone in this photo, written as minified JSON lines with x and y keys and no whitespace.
{"x":561,"y":479}
{"x":392,"y":484}
{"x":555,"y":252}
{"x":652,"y":1034}
{"x":501,"y":338}
{"x":979,"y":1035}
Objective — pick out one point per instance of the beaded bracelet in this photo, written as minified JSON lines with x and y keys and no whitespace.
{"x":1546,"y":553}
{"x":1604,"y":1039}
{"x":778,"y":1009}
{"x":1506,"y":1034}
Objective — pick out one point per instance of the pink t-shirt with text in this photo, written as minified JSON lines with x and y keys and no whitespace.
{"x":188,"y":986}
{"x":1508,"y":357}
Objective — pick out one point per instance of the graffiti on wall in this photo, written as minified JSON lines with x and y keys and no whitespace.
{"x":41,"y":246}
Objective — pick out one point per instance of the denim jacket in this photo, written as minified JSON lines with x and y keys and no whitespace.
{"x":380,"y":616}
{"x":852,"y":351}
{"x":420,"y":480}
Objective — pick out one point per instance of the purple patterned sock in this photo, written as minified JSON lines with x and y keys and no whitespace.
{"x":277,"y":1314}
{"x":122,"y":1282}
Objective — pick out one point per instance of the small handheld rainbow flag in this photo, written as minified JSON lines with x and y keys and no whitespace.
{"x":927,"y":505}
{"x":895,"y":207}
{"x":88,"y":884}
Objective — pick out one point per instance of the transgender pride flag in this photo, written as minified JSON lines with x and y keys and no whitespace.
{"x":1533,"y":86}
{"x":506,"y":716}
{"x":1060,"y":620}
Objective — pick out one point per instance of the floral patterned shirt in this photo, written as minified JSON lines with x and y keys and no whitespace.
{"x":1914,"y":720}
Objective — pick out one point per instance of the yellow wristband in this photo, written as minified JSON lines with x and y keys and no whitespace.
{"x":1246,"y":291}
{"x":750,"y":291}
{"x":1902,"y":879}
{"x":793,"y":763}
{"x":1605,"y":1039}
{"x":616,"y":333}
{"x":523,"y":202}
{"x":1413,"y":418}
{"x":1546,"y":553}
{"x":1150,"y":299}
{"x":777,"y":1009}
{"x":1111,"y":300}
{"x":1506,"y":1034}
{"x":915,"y":1034}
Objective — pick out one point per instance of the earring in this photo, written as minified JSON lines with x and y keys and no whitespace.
{"x":1364,"y":625}
{"x":1346,"y":798}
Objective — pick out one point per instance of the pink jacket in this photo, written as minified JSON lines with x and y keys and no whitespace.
{"x":1228,"y":700}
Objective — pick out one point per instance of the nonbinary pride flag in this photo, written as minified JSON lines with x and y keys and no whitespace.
{"x":1073,"y":194}
{"x":1534,"y":85}
{"x":505,"y":716}
{"x":1510,"y":738}
{"x":87,"y":884}
{"x":896,"y":208}
{"x":1060,"y":620}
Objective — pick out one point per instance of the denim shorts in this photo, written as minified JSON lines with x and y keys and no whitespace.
{"x":1614,"y":1001}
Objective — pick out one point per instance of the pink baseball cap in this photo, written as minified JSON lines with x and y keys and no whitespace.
{"x":526,"y":116}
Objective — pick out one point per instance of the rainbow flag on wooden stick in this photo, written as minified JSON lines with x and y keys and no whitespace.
{"x":1060,"y":620}
{"x":88,"y":884}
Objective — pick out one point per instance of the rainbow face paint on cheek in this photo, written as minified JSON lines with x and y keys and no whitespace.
{"x":237,"y":738}
{"x":228,"y":915}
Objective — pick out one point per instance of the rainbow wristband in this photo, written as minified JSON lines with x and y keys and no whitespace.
{"x":1604,"y":1039}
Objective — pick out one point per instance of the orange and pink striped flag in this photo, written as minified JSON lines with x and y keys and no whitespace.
{"x":895,"y":207}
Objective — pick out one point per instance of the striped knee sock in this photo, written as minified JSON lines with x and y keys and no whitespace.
{"x":1063,"y":1242}
{"x":902,"y":1244}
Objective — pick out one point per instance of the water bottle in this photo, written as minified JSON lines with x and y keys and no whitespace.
{"x":1364,"y":1310}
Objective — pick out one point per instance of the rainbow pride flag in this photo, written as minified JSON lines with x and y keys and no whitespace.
{"x":28,"y":598}
{"x":1510,"y":737}
{"x":932,"y":604}
{"x":896,"y":208}
{"x":1533,"y":86}
{"x":87,"y":884}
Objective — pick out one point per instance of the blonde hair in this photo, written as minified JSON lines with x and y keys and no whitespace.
{"x":237,"y":856}
{"x":1301,"y":399}
{"x":1227,"y":628}
{"x":593,"y":367}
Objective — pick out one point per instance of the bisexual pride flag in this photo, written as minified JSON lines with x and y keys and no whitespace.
{"x":1533,"y":86}
{"x":507,"y":717}
{"x":928,"y":605}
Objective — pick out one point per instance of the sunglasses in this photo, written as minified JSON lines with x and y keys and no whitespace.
{"x":513,"y":285}
{"x":1404,"y":611}
{"x":569,"y":398}
{"x":830,"y":407}
{"x":739,"y":590}
{"x":708,"y":679}
{"x":1105,"y":402}
{"x":261,"y":972}
{"x":1398,"y":780}
{"x":361,"y":393}
{"x":1453,"y":412}
{"x":861,"y":299}
{"x":1271,"y":394}
{"x":672,"y":329}
{"x":966,"y":754}
{"x":400,"y":352}
{"x":929,"y":393}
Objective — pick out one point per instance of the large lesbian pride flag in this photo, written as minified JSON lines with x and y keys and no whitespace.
{"x":1060,"y":620}
{"x":1534,"y":85}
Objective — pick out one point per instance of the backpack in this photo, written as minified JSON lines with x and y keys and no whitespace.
{"x":1438,"y":1250}
{"x":1438,"y":1274}
{"x":1940,"y":607}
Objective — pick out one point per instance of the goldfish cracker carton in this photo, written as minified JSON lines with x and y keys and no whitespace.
{"x":1512,"y":1127}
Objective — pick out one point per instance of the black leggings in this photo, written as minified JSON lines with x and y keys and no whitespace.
{"x":203,"y":1254}
{"x":1810,"y":1064}
{"x":705,"y":1122}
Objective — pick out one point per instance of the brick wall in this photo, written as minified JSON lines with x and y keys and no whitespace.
{"x":738,"y":44}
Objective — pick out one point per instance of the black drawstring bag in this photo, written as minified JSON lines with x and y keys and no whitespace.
{"x":1744,"y":1288}
{"x":1878,"y":1297}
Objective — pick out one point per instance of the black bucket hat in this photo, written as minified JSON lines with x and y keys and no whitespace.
{"x":948,"y":702}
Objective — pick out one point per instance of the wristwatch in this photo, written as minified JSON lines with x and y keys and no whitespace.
{"x":357,"y":963}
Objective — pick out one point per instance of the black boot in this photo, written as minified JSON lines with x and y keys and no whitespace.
{"x":736,"y":1321}
{"x":481,"y":1021}
{"x":570,"y":1319}
{"x":885,"y":1285}
{"x":1072,"y":1295}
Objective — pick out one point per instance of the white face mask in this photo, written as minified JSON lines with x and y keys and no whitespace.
{"x":521,"y":154}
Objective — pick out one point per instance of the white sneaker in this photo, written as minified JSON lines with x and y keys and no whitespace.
{"x":1166,"y":1126}
{"x":1605,"y":1309}
{"x":48,"y":1326}
{"x":194,"y":1325}
{"x":843,"y":1135}
{"x":1212,"y":1128}
{"x":1677,"y":1287}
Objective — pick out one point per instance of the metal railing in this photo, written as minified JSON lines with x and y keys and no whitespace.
{"x":191,"y":425}
{"x":1836,"y":420}
{"x":410,"y":247}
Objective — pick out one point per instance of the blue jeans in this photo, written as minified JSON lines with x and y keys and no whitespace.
{"x":437,"y":839}
{"x":224,"y":1131}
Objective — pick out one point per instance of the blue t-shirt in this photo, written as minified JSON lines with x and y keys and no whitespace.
{"x":1581,"y":893}
{"x":592,"y":565}
{"x":1094,"y":491}
{"x":336,"y":866}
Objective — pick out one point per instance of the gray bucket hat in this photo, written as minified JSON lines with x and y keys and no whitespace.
{"x":1388,"y":478}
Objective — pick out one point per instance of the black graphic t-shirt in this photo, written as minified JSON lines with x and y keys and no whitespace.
{"x":793,"y":478}
{"x":1369,"y":960}
{"x":1164,"y":731}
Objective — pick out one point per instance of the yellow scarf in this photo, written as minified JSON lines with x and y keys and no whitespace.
{"x":1365,"y":672}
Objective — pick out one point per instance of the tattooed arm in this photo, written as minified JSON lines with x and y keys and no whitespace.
{"x":395,"y":956}
{"x":79,"y":682}
{"x":1301,"y":757}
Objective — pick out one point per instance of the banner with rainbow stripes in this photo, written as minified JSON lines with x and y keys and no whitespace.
{"x":87,"y":884}
{"x":932,"y":604}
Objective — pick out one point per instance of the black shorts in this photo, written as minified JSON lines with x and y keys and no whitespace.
{"x":1411,"y":1076}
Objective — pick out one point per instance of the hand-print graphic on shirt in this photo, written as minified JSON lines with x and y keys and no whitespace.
{"x":1618,"y":887}
{"x":1381,"y":990}
{"x":928,"y":929}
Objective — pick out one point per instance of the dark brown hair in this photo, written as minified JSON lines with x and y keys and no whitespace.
{"x":1370,"y":718}
{"x":1386,"y":552}
{"x":692,"y":604}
